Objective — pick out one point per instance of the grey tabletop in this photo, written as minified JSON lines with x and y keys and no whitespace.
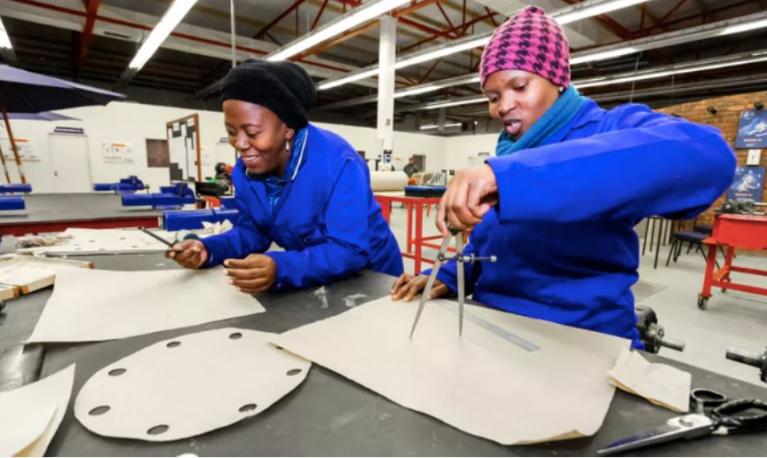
{"x":45,"y":208}
{"x":328,"y":414}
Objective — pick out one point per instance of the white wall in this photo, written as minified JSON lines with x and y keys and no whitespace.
{"x":463,"y":151}
{"x":133,"y":123}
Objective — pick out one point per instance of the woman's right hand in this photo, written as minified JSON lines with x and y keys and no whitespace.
{"x":189,"y":253}
{"x":407,"y":286}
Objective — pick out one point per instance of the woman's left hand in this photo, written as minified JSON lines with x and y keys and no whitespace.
{"x":254,"y":274}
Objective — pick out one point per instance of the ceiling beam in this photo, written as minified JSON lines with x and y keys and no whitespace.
{"x":277,"y":19}
{"x":86,"y":37}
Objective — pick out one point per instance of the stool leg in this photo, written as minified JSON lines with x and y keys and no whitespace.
{"x":644,"y":240}
{"x":671,"y":251}
{"x":657,"y":244}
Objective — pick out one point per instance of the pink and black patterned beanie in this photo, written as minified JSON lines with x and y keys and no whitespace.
{"x":531,"y":41}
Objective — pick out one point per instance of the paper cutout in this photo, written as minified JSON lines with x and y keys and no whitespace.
{"x":660,"y":384}
{"x":31,"y":415}
{"x":479,"y":383}
{"x":98,"y":241}
{"x":92,"y":305}
{"x":188,"y":385}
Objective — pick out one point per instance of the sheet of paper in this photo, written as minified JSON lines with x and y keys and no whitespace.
{"x":189,"y":385}
{"x":92,"y":305}
{"x":94,"y":241}
{"x":659,"y":383}
{"x":480,"y":383}
{"x":31,"y":415}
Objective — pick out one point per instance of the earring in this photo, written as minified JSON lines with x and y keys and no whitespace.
{"x":287,"y":145}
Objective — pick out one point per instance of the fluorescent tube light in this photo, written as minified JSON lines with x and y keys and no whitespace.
{"x":454,"y":103}
{"x":744,"y":27}
{"x":349,"y":20}
{"x":436,"y":126}
{"x":606,"y":81}
{"x":169,"y":21}
{"x":603,"y":55}
{"x":348,"y":79}
{"x":5,"y":40}
{"x":437,"y":85}
{"x":442,"y":51}
{"x":595,"y":9}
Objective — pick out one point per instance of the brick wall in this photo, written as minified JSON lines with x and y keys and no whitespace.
{"x":726,"y":119}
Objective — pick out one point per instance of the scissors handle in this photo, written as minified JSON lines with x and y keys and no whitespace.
{"x":703,"y":399}
{"x":742,"y":415}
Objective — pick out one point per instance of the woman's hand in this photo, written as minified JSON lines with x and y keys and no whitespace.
{"x":407,"y":286}
{"x":471,"y":194}
{"x":189,"y":253}
{"x":254,"y":274}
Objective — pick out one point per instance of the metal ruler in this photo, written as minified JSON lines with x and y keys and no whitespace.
{"x":497,"y":330}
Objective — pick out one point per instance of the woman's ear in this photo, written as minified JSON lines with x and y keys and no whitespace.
{"x":289,"y":133}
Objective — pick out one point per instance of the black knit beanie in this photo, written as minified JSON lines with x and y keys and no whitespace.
{"x":283,"y":87}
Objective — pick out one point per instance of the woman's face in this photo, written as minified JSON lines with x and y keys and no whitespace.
{"x":519,"y":99}
{"x":258,"y":135}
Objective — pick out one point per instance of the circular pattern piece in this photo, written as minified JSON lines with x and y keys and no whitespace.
{"x":202,"y":382}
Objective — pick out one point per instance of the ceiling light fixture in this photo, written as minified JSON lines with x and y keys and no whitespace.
{"x":436,"y":126}
{"x":710,"y":64}
{"x":357,"y":16}
{"x":5,"y":40}
{"x":348,"y":79}
{"x":169,"y":21}
{"x":590,"y":9}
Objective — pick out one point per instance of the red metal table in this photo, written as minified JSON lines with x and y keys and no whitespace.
{"x":415,"y":240}
{"x":733,"y":232}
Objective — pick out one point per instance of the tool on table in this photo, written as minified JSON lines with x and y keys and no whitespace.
{"x":651,"y":333}
{"x":157,"y":237}
{"x":751,"y":358}
{"x":713,"y":414}
{"x":460,"y":259}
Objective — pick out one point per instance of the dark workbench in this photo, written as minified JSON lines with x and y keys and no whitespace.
{"x":56,"y":212}
{"x":327,"y":414}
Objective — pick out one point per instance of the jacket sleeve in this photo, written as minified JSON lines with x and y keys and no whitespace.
{"x":342,"y":247}
{"x":242,"y":240}
{"x":647,"y":164}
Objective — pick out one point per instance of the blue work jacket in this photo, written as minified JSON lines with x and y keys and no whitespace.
{"x":326,"y":219}
{"x":563,"y":229}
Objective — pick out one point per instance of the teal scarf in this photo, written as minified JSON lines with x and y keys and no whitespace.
{"x":556,"y":117}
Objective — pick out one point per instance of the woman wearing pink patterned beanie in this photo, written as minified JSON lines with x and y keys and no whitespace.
{"x":558,"y":203}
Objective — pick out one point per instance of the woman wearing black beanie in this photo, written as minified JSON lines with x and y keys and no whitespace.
{"x":297,"y":185}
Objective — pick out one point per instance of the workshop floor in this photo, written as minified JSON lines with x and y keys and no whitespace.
{"x":731,"y":319}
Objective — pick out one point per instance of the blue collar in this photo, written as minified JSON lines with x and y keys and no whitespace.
{"x":560,"y":114}
{"x":274,"y":184}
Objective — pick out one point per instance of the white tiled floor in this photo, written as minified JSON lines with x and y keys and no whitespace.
{"x":731,"y":319}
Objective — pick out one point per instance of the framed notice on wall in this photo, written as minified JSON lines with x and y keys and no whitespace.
{"x":116,"y":153}
{"x":752,"y":130}
{"x":748,"y":184}
{"x":25,"y":146}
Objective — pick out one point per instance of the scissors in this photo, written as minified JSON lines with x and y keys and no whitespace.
{"x":713,"y":414}
{"x":443,"y":257}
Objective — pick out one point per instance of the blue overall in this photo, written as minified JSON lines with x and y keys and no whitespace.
{"x":325,"y":218}
{"x":563,"y":228}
